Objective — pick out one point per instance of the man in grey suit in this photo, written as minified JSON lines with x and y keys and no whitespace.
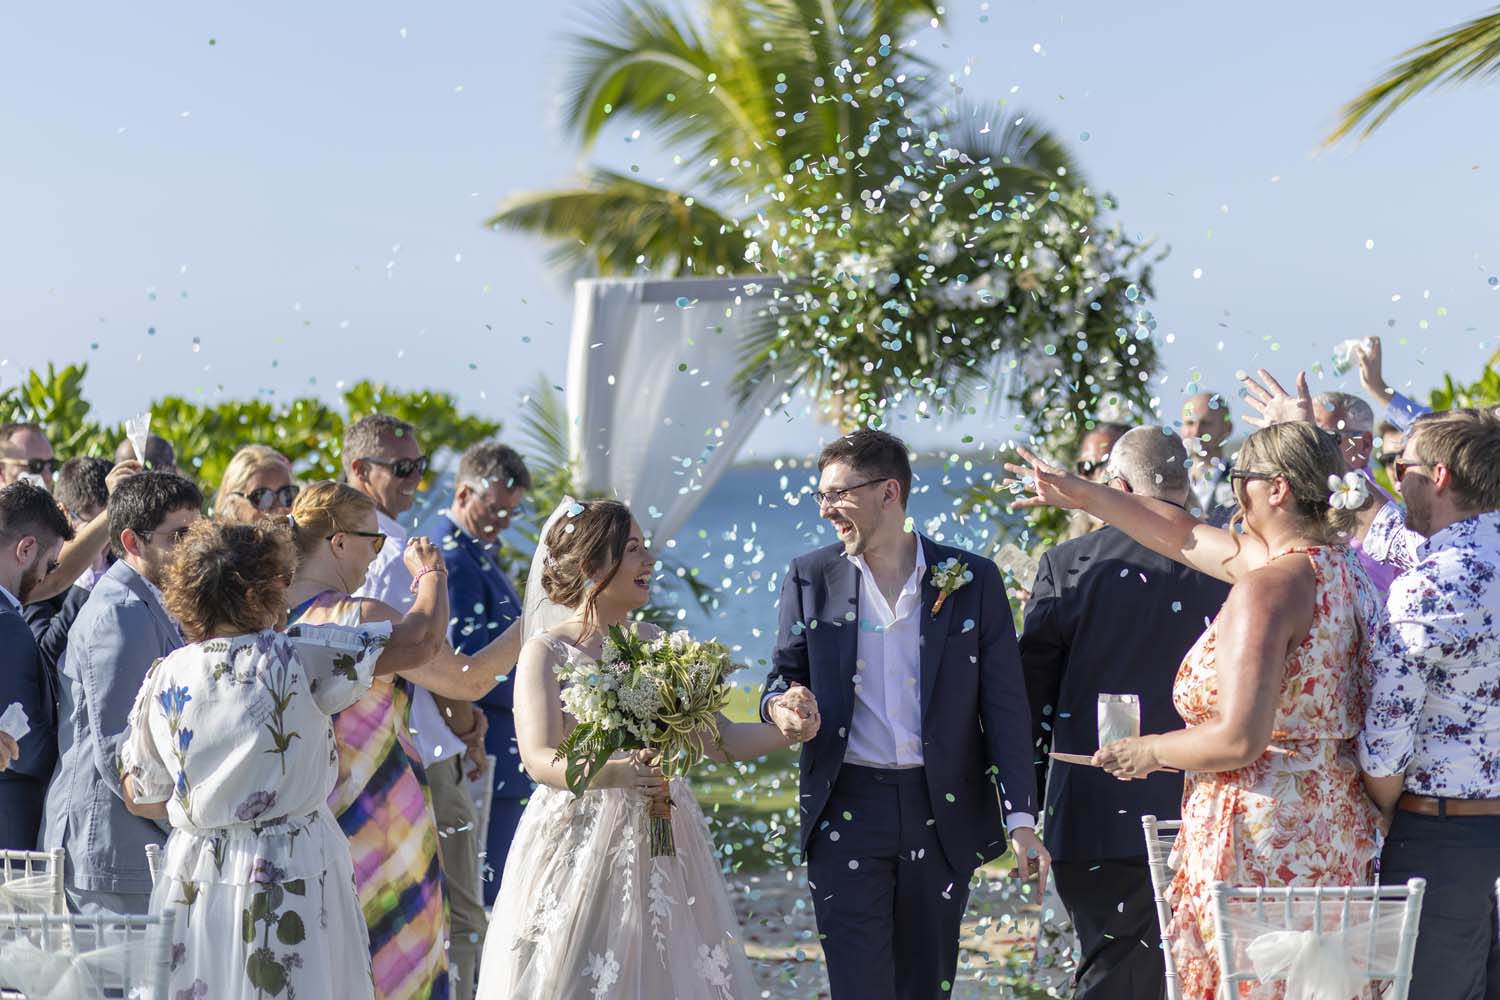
{"x":121,"y":630}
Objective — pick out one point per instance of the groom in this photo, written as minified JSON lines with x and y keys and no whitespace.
{"x":924,"y":702}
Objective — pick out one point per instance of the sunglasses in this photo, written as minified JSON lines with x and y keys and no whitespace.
{"x":265,"y":498}
{"x":36,"y":466}
{"x":1399,"y":469}
{"x":402,"y":468}
{"x":379,"y":537}
{"x":178,"y":534}
{"x":1086,"y":469}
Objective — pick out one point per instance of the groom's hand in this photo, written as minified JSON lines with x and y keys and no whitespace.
{"x":795,"y":713}
{"x":1030,"y":852}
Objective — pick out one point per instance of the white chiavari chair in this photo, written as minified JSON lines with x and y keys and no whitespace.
{"x":32,"y":882}
{"x":1160,"y":836}
{"x":153,"y":862}
{"x":46,"y":957}
{"x":1320,"y":941}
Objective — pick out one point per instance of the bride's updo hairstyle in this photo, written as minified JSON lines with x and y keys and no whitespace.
{"x":325,"y":509}
{"x":1305,"y":457}
{"x":581,"y":545}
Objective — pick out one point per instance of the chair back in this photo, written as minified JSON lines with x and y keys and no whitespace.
{"x":1326,"y":934}
{"x":32,"y":882}
{"x":153,"y":862}
{"x":1160,"y":835}
{"x":46,"y":957}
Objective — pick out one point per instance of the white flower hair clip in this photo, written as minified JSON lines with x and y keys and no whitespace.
{"x":1349,"y":491}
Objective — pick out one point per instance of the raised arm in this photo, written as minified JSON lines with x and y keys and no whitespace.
{"x":1156,"y":524}
{"x":79,"y":554}
{"x":468,"y":677}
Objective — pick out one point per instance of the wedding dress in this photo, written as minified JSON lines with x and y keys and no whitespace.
{"x":585,"y":912}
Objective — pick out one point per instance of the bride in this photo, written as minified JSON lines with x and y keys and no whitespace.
{"x":583,"y":910}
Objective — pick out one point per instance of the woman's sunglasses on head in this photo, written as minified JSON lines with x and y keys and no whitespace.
{"x":266,"y":498}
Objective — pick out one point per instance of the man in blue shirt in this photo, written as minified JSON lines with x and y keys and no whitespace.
{"x":492,"y":482}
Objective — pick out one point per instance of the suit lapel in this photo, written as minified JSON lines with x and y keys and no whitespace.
{"x":843,"y":599}
{"x":934,"y":635}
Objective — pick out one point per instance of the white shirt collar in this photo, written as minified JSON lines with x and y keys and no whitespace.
{"x":913,"y":582}
{"x":390,"y":527}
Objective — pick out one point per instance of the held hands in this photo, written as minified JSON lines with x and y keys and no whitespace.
{"x":1029,"y":851}
{"x":421,"y":556}
{"x":795,"y":713}
{"x":1051,"y":486}
{"x":10,"y":750}
{"x":1130,"y":758}
{"x":1274,"y":404}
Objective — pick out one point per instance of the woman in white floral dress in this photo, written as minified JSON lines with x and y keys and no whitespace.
{"x":231,"y":739}
{"x":583,"y":910}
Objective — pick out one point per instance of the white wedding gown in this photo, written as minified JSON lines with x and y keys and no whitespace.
{"x":585,"y":912}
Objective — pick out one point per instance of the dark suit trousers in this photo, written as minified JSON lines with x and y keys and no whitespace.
{"x":1114,"y":914}
{"x":888,"y":903}
{"x":22,"y":803}
{"x":1459,"y":856}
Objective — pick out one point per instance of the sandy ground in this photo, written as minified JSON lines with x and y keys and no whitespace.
{"x":996,"y":950}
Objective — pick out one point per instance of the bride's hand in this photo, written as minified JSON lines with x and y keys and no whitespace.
{"x":641,"y":771}
{"x":1050,"y":486}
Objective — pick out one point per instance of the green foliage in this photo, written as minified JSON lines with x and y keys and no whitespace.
{"x":1483,"y":392}
{"x":1468,"y":52}
{"x":920,"y":247}
{"x":206,"y":436}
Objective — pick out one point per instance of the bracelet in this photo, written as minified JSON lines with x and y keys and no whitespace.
{"x":424,"y":572}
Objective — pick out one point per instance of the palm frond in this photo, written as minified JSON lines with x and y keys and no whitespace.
{"x":1460,"y":54}
{"x":616,"y":224}
{"x":1015,"y":145}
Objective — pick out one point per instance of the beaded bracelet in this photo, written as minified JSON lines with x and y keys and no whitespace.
{"x":423,"y":572}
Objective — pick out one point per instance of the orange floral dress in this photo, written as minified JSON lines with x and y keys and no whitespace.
{"x":1298,"y":817}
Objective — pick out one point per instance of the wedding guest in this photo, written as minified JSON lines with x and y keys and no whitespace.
{"x":381,"y":799}
{"x":1285,"y":663}
{"x":1093,"y":459}
{"x":30,"y":454}
{"x":1399,"y":410}
{"x":1109,"y":616}
{"x":122,"y":629}
{"x":1352,"y":421}
{"x":231,"y":740}
{"x":1432,"y":733}
{"x":1205,"y":431}
{"x":257,"y":483}
{"x":491,"y":485}
{"x":89,"y":544}
{"x":1389,"y":441}
{"x":160,"y":455}
{"x":33,"y":529}
{"x":82,"y":490}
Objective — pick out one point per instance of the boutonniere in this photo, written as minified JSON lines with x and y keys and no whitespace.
{"x":948,"y":576}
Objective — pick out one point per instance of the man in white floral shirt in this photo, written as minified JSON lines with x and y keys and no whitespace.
{"x":1431,"y":744}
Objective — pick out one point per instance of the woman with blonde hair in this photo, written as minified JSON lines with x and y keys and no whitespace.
{"x":381,"y":799}
{"x":257,"y":483}
{"x":1273,"y":693}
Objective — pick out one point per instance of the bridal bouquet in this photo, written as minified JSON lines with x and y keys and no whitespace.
{"x":662,"y":694}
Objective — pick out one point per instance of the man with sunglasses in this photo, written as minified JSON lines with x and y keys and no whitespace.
{"x":32,"y":532}
{"x":383,"y":460}
{"x":29,"y":454}
{"x":1432,"y":730}
{"x":123,"y":628}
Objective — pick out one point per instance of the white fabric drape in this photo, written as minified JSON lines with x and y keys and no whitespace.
{"x":642,"y":427}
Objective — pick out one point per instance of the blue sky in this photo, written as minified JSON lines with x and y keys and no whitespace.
{"x":300,"y":202}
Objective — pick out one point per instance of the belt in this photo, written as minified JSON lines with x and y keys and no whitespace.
{"x":1426,"y":805}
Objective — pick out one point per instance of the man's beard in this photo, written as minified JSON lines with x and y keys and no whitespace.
{"x":1418,"y":515}
{"x":30,"y":580}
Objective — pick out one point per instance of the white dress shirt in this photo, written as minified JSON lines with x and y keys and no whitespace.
{"x":885,"y":729}
{"x":389,"y":580}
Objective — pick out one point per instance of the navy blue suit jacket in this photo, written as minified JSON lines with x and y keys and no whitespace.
{"x":976,"y":726}
{"x":24,"y":678}
{"x":483,"y":604}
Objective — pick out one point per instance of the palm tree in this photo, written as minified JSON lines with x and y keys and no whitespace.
{"x":1469,"y":51}
{"x":813,"y":146}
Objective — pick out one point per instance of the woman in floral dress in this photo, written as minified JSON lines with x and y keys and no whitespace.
{"x":231,"y":739}
{"x":1273,"y":693}
{"x":381,"y":800}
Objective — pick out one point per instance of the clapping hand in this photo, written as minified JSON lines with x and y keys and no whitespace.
{"x":795,"y":713}
{"x":1051,"y":486}
{"x":1274,"y":404}
{"x":421,"y":554}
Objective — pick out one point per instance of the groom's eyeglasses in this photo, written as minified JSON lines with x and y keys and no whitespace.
{"x":838,"y":496}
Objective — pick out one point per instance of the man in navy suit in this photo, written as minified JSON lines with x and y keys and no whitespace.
{"x":492,"y":483}
{"x":33,"y":529}
{"x":911,"y":706}
{"x":1109,"y":616}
